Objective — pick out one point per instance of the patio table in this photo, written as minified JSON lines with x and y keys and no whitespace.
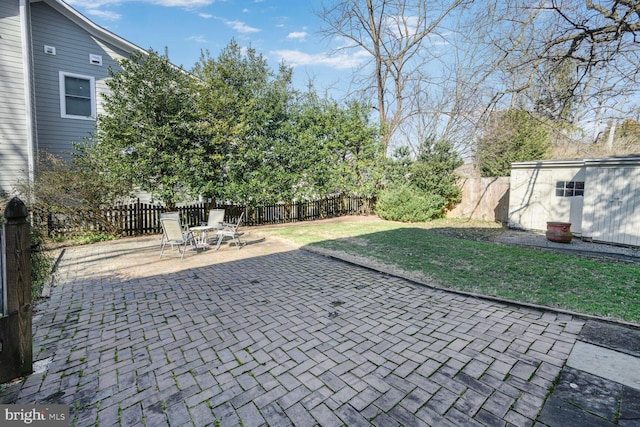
{"x":200,"y":239}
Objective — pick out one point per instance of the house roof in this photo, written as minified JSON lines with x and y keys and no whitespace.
{"x":90,"y":26}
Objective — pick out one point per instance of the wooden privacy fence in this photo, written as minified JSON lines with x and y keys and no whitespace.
{"x":486,"y":199}
{"x":143,"y":218}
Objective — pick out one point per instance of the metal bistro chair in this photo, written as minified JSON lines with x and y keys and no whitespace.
{"x":174,"y":215}
{"x":174,"y":234}
{"x":230,"y":230}
{"x":216,"y":219}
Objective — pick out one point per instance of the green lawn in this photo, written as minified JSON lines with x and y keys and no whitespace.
{"x":458,"y":255}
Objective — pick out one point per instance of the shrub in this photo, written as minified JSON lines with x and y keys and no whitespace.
{"x":74,"y":188}
{"x":408,"y":204}
{"x":41,"y":262}
{"x":433,"y":172}
{"x":430,"y":177}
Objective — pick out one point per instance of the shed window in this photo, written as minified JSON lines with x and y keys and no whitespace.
{"x":569,"y":188}
{"x":77,"y":96}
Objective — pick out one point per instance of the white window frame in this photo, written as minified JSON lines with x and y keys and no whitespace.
{"x":63,"y":95}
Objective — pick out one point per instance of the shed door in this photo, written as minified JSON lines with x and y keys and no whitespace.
{"x":575,"y":214}
{"x":615,"y":198}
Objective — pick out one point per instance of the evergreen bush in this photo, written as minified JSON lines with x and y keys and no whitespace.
{"x":408,"y":204}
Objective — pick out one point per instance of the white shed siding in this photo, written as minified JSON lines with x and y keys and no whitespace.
{"x":609,"y":211}
{"x":612,"y":201}
{"x":73,"y":47}
{"x":527,"y":201}
{"x":13,"y":112}
{"x":532,"y":199}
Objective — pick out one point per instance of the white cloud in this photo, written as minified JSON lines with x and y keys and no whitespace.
{"x":95,"y":4}
{"x":95,"y":8}
{"x":408,"y":26}
{"x":188,"y":4}
{"x":241,"y":27}
{"x":297,"y":35}
{"x":343,"y":61}
{"x":197,"y":39}
{"x":90,"y":4}
{"x":238,"y":26}
{"x":104,"y":14}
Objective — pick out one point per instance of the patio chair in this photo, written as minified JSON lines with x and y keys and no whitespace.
{"x":174,"y":234}
{"x":230,"y":230}
{"x":174,"y":215}
{"x":216,"y":219}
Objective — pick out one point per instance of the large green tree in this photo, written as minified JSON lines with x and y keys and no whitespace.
{"x":511,"y":136}
{"x":335,"y":148}
{"x":232,"y":129}
{"x":277,"y":143}
{"x":150,"y":133}
{"x":245,"y":105}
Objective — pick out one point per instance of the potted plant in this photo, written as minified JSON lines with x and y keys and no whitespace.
{"x":559,"y":231}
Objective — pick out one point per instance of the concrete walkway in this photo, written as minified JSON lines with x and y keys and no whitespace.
{"x":274,"y":335}
{"x":576,"y":246}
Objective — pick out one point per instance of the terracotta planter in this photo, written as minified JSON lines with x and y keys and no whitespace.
{"x":559,"y":232}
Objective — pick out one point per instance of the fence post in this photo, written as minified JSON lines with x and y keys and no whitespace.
{"x":138,"y":227}
{"x":16,"y":347}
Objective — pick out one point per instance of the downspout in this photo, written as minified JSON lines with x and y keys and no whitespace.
{"x":25,"y":21}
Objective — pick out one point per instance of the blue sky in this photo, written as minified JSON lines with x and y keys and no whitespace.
{"x":279,"y":29}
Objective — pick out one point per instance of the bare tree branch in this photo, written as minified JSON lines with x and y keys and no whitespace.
{"x":395,"y":33}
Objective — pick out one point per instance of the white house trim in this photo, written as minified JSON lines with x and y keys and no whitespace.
{"x":25,"y":22}
{"x":63,"y":96}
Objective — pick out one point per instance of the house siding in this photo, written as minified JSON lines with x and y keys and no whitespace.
{"x":73,"y":47}
{"x":14,"y":138}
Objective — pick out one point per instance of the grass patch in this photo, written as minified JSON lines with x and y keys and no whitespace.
{"x":457,"y":254}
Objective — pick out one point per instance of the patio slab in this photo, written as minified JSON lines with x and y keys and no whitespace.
{"x":274,"y":335}
{"x":603,"y":362}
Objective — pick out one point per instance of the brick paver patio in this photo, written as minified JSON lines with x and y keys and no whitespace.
{"x":274,"y":335}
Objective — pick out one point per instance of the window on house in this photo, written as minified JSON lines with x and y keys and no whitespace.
{"x":569,"y":188}
{"x":77,"y":96}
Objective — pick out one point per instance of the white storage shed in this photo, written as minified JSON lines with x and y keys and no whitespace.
{"x":599,"y":197}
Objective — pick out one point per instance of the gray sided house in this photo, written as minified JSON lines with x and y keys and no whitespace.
{"x":53,"y":66}
{"x":599,"y":197}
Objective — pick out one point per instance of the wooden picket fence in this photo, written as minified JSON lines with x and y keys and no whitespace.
{"x":139,"y":218}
